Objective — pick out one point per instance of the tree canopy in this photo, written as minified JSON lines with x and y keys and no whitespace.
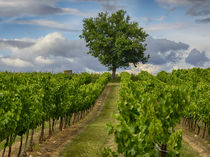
{"x":115,"y":40}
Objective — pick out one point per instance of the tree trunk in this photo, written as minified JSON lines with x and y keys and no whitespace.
{"x":208,"y":133}
{"x":69,"y":123}
{"x":194,"y":127}
{"x":183,"y":121}
{"x":199,"y":128}
{"x":50,"y":130}
{"x":186,"y":120}
{"x":25,"y":146}
{"x":189,"y":122}
{"x":83,"y":114}
{"x":10,"y":145}
{"x":65,"y":121}
{"x":192,"y":122}
{"x":61,"y":124}
{"x":5,"y":146}
{"x":73,"y":121}
{"x":31,"y":141}
{"x":41,"y":138}
{"x":53,"y":124}
{"x":204,"y":131}
{"x":113,"y":73}
{"x":80,"y":115}
{"x":21,"y":143}
{"x":77,"y":119}
{"x":163,"y":150}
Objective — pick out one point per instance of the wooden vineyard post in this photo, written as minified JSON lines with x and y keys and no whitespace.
{"x":163,"y":150}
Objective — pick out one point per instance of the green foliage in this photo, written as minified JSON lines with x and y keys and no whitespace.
{"x":28,"y":99}
{"x":197,"y":82}
{"x":149,"y":110}
{"x":114,"y":39}
{"x":109,"y":153}
{"x":150,"y":107}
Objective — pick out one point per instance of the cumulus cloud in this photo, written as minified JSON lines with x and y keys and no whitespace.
{"x":16,"y":43}
{"x":16,"y":8}
{"x":53,"y":53}
{"x":162,"y":51}
{"x":53,"y":44}
{"x":196,"y":58}
{"x":15,"y":62}
{"x":42,"y":60}
{"x":153,"y":69}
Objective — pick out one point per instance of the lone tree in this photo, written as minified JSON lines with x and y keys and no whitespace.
{"x":114,"y":40}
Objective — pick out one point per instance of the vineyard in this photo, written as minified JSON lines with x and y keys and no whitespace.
{"x":150,"y":107}
{"x":28,"y":100}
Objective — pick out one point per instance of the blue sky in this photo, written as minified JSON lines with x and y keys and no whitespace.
{"x":43,"y":35}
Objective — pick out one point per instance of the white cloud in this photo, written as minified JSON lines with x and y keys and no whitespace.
{"x":55,"y":53}
{"x":89,"y":70}
{"x":52,"y":52}
{"x":41,"y":60}
{"x":70,"y":60}
{"x":153,"y":69}
{"x":16,"y":62}
{"x":52,"y":44}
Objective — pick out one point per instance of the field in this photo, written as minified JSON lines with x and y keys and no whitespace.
{"x":142,"y":112}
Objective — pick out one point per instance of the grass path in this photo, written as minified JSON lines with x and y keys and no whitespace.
{"x":91,"y":141}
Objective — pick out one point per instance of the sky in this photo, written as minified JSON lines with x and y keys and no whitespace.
{"x":43,"y":35}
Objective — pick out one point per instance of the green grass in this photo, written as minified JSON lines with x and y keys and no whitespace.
{"x":187,"y":150}
{"x":91,"y":141}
